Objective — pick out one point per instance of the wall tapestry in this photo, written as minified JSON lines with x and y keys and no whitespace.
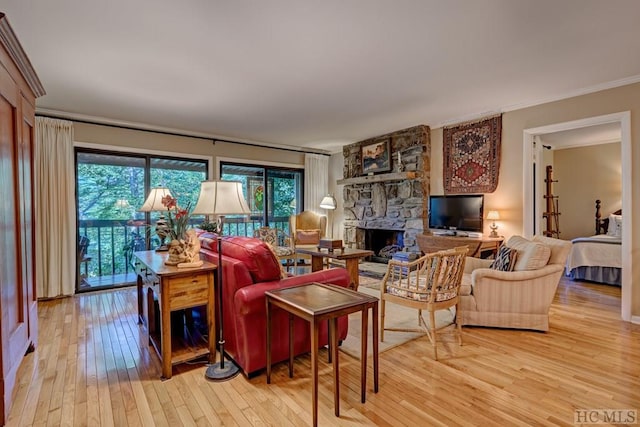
{"x":472,"y":156}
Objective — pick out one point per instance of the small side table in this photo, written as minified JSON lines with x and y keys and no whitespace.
{"x":315,"y":303}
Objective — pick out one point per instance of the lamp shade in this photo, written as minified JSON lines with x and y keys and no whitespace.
{"x":154,"y":200}
{"x":221,"y":198}
{"x":122,"y":203}
{"x":493,"y":215}
{"x":328,"y":202}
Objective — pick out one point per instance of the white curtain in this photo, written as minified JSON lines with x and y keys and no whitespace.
{"x":55,"y":211}
{"x":316,"y":181}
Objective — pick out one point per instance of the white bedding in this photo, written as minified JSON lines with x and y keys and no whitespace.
{"x":595,"y":251}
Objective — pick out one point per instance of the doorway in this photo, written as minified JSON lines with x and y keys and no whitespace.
{"x":531,"y":168}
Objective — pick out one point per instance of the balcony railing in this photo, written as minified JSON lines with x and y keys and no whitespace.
{"x":112,"y":243}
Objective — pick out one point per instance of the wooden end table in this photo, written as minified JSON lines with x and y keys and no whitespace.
{"x":175,"y":289}
{"x":315,"y":303}
{"x":351,"y":257}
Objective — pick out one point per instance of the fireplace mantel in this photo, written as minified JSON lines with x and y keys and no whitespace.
{"x":367,"y":179}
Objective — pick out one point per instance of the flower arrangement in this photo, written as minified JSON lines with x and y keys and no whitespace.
{"x":184,"y":248}
{"x":178,"y":218}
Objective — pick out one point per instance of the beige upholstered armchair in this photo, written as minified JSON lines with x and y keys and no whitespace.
{"x":307,"y":228}
{"x":519,"y":298}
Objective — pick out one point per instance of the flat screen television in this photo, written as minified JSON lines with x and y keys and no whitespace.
{"x":460,"y":212}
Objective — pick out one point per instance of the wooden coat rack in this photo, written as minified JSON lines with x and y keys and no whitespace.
{"x":552,"y":214}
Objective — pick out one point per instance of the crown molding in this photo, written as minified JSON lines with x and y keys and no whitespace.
{"x":10,"y":42}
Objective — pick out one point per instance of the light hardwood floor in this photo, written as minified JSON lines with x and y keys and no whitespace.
{"x":93,"y":367}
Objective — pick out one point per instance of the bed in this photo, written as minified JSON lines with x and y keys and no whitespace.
{"x":598,"y":258}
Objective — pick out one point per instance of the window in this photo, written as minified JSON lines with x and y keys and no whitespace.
{"x":272,"y":193}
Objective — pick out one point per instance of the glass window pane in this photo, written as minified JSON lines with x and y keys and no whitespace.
{"x":182,"y":177}
{"x":272,"y":194}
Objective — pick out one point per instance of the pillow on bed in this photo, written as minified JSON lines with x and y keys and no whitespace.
{"x":615,"y":226}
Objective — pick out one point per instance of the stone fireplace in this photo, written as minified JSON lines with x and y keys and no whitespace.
{"x":388,"y":208}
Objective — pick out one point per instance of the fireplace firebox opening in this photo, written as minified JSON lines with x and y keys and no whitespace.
{"x":383,"y":243}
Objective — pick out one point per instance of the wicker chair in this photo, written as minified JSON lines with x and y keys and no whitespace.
{"x":429,"y":283}
{"x":280,"y":243}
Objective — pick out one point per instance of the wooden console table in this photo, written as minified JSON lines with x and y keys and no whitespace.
{"x":163,"y":289}
{"x":479,"y":247}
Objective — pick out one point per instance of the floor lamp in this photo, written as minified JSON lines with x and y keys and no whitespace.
{"x":329,"y":203}
{"x":221,"y":198}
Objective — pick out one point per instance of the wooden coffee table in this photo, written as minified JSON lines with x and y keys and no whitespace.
{"x":316,"y":303}
{"x":350,"y":256}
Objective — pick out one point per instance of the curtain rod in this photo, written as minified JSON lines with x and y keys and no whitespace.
{"x":175,"y":133}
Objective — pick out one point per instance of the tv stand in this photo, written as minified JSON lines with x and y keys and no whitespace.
{"x":479,"y":247}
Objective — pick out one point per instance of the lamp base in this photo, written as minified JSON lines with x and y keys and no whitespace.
{"x":162,"y":248}
{"x":215,"y":372}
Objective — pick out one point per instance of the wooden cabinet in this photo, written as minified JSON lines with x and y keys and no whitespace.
{"x":164,"y":292}
{"x":479,"y":247}
{"x":19,"y":87}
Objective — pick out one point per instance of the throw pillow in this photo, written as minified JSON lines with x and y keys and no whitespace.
{"x":505,"y":259}
{"x":283,"y":272}
{"x":531,"y":255}
{"x":307,"y":237}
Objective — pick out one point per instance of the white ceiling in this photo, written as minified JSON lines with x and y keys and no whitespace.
{"x":320,"y":74}
{"x":588,"y":135}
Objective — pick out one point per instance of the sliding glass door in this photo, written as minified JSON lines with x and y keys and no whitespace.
{"x":110,"y":188}
{"x":273,"y":194}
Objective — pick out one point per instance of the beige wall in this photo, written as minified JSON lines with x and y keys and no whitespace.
{"x":143,"y":140}
{"x":585,"y":174}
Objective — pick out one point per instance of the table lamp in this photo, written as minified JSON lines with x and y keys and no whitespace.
{"x":493,"y":215}
{"x":221,"y":198}
{"x":154,"y":204}
{"x":329,"y":203}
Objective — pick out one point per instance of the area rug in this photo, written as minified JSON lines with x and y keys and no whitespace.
{"x":397,"y":316}
{"x":369,"y":282}
{"x":472,"y":156}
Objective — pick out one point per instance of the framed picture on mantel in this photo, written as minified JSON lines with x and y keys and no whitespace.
{"x":376,"y":157}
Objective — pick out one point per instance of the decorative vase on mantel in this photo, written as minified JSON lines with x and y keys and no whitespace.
{"x":185,"y":252}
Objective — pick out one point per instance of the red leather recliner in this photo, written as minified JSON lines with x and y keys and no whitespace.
{"x":249,"y":270}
